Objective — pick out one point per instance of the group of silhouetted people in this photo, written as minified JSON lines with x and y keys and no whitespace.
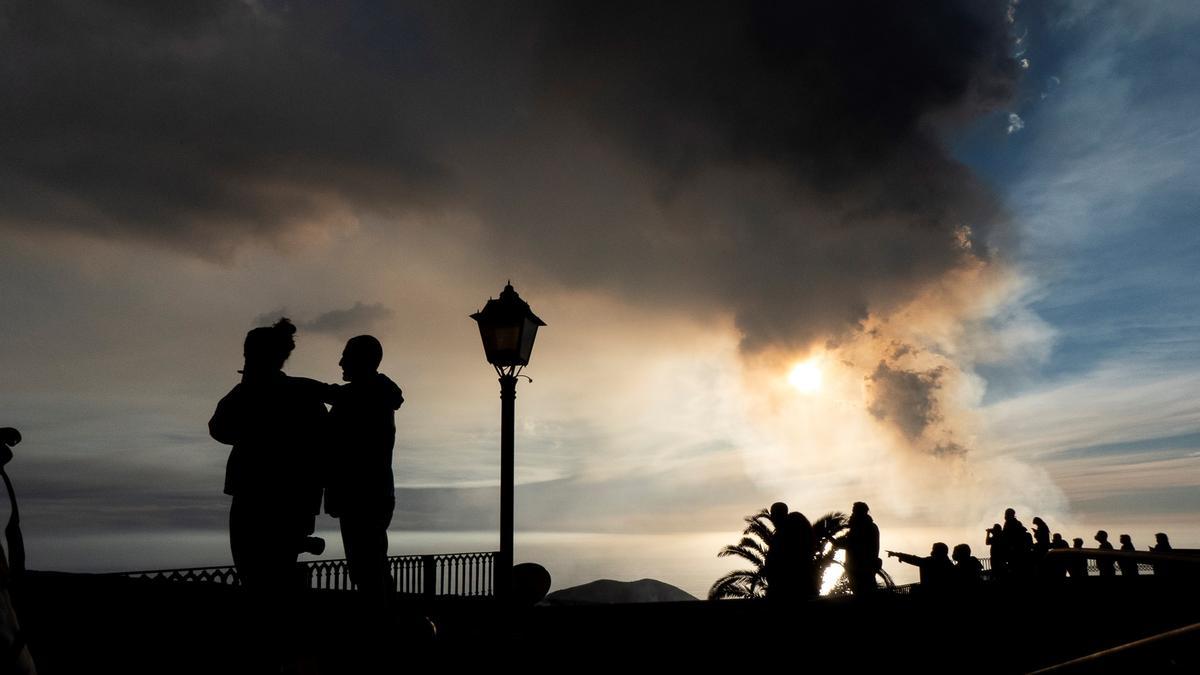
{"x":791,"y":557}
{"x":941,"y":570}
{"x":1018,"y":554}
{"x":290,"y":452}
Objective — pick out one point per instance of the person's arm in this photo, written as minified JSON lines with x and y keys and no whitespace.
{"x":227,"y":423}
{"x":906,"y":558}
{"x":393,"y":396}
{"x":330,"y":393}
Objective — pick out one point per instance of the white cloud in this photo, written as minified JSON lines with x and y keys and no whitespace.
{"x":1117,"y":402}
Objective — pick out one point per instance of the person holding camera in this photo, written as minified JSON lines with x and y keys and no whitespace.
{"x":276,"y":425}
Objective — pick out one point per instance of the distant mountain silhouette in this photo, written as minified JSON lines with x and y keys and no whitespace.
{"x":607,"y":591}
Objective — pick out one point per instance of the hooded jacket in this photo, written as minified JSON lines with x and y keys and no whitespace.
{"x":362,"y":436}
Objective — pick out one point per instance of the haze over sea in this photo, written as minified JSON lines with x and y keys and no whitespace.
{"x":685,"y":560}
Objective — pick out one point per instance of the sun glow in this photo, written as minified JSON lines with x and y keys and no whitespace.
{"x":805,"y":376}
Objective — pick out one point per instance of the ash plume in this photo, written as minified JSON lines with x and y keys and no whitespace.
{"x":782,"y":163}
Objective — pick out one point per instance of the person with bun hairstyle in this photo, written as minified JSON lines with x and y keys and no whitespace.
{"x":276,"y":424}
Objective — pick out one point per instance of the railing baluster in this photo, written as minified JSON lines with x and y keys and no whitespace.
{"x":462,"y":574}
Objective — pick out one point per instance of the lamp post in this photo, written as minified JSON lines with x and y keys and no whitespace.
{"x":508,"y":328}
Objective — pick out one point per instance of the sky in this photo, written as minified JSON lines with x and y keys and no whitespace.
{"x":963,"y":229}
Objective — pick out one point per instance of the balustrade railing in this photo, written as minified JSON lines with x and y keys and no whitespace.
{"x":448,"y":574}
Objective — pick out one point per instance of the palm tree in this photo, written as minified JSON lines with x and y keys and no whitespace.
{"x":756,"y":542}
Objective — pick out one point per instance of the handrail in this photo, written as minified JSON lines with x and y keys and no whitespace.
{"x":448,"y":574}
{"x":1096,"y":661}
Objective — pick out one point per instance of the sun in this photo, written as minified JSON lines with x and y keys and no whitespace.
{"x":805,"y":376}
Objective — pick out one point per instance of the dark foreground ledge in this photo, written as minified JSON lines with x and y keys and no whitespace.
{"x":83,"y":623}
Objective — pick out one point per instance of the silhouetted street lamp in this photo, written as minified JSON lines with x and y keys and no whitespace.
{"x":508,"y":328}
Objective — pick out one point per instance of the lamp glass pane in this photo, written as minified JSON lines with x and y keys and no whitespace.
{"x":504,"y":341}
{"x":527,"y":337}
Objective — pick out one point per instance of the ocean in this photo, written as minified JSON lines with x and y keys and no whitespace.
{"x":685,"y":560}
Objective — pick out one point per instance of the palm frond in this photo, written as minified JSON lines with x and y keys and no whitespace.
{"x":761,"y":514}
{"x":736,"y":584}
{"x":753,"y":545}
{"x":760,"y":525}
{"x":758,"y":586}
{"x":828,"y":526}
{"x":750,"y":555}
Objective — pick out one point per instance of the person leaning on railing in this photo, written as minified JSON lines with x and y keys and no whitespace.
{"x":968,"y":571}
{"x":1129,"y":567}
{"x":1161,"y":545}
{"x":1106,"y":565}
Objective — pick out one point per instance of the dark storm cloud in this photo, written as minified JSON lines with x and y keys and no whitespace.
{"x":907,"y":399}
{"x":794,"y":168}
{"x":195,"y":124}
{"x":779,"y":161}
{"x":829,"y":92}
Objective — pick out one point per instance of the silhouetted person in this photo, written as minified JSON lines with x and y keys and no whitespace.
{"x":807,"y":584}
{"x":1078,"y":565}
{"x":862,"y":550}
{"x":967,"y":569}
{"x":361,"y":490}
{"x":790,"y":560}
{"x":778,"y":514}
{"x":779,"y":552}
{"x":275,"y":424}
{"x":1017,"y":542}
{"x":14,"y":652}
{"x":1041,"y":537}
{"x":937,"y":571}
{"x":994,"y":540}
{"x":1129,"y":568}
{"x":1105,"y":565}
{"x":1161,"y":545}
{"x":1059,"y":567}
{"x":12,"y":532}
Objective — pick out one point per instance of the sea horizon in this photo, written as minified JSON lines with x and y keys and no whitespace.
{"x":686,"y":560}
